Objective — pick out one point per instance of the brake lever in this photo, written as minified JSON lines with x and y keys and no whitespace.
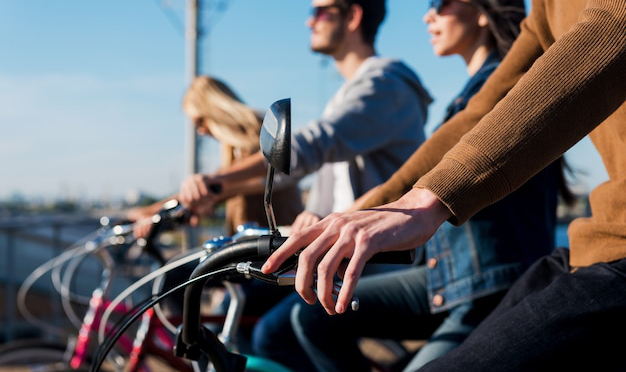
{"x":289,"y":278}
{"x":285,"y":277}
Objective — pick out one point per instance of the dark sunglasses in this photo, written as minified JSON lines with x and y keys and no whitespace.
{"x":322,"y":13}
{"x":438,"y":5}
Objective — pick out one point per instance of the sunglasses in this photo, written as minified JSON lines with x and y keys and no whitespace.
{"x":321,"y":13}
{"x":438,"y":5}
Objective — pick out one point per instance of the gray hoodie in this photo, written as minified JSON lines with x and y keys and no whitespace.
{"x":369,"y":128}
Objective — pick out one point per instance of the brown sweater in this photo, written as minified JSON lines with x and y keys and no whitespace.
{"x":564,"y":78}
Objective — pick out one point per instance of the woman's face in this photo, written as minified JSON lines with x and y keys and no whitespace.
{"x":201,"y":128}
{"x":455,"y":29}
{"x":198,"y":120}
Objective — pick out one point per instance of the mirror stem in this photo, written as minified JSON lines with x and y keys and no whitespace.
{"x":269,"y":211}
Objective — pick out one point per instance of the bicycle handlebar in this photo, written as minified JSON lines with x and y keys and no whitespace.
{"x":191,"y":335}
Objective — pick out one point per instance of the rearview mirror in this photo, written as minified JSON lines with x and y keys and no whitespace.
{"x":275,"y":139}
{"x":275,"y":135}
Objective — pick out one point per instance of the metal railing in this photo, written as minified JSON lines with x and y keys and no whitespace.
{"x":25,"y":243}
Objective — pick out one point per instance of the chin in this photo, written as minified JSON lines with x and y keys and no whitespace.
{"x":440,"y":52}
{"x":322,"y":50}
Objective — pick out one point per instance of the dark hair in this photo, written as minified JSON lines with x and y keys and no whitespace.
{"x":373,"y":15}
{"x":504,"y":17}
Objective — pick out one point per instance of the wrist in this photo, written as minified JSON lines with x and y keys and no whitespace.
{"x":424,"y":200}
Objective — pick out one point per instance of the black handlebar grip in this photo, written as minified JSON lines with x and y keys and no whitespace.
{"x":216,"y":188}
{"x":394,"y":257}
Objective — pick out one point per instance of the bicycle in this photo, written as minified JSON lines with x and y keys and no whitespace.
{"x":110,"y":245}
{"x":235,"y":260}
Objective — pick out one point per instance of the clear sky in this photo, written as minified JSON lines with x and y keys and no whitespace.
{"x":90,"y":91}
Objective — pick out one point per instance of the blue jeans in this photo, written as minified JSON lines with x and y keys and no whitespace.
{"x":273,"y":336}
{"x":551,"y":319}
{"x":453,"y":330}
{"x":393,"y":305}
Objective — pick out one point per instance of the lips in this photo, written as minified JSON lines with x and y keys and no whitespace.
{"x":434,"y":35}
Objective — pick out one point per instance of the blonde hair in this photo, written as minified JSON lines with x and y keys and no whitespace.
{"x":225,"y":116}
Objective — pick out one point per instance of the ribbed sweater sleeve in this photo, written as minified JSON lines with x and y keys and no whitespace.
{"x":449,"y":134}
{"x":570,"y":89}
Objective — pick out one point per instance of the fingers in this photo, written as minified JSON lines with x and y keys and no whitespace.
{"x":351,"y":277}
{"x":304,"y":220}
{"x":306,"y":262}
{"x":193,"y":189}
{"x":195,"y":194}
{"x":295,"y":242}
{"x":297,"y":224}
{"x":342,"y":269}
{"x":137,"y":213}
{"x":327,"y":269}
{"x":141,"y":228}
{"x":324,"y":247}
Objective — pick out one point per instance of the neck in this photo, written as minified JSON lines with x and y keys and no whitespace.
{"x":349,"y":61}
{"x":475,"y":60}
{"x":478,"y":51}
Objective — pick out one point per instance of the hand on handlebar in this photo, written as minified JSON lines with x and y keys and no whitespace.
{"x":304,"y":220}
{"x":165,"y":212}
{"x":141,"y":227}
{"x":356,"y":236}
{"x":199,"y":193}
{"x":142,"y":218}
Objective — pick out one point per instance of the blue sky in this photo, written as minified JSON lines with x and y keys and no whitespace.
{"x":90,"y":91}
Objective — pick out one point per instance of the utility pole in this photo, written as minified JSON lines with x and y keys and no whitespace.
{"x":191,"y":51}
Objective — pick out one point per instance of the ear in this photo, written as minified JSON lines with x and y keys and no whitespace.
{"x":355,"y":16}
{"x":483,"y":21}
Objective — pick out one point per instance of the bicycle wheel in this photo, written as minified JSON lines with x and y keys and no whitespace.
{"x":38,"y":355}
{"x":31,"y":355}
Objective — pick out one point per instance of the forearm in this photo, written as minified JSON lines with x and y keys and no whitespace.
{"x":251,"y":186}
{"x":575,"y":85}
{"x":138,"y":213}
{"x":432,"y":151}
{"x":250,"y":167}
{"x":429,"y":153}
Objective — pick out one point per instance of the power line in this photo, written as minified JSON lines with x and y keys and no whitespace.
{"x":213,"y":11}
{"x":172,"y":17}
{"x":210,"y":11}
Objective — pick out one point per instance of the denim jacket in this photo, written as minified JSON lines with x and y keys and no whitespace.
{"x":487,"y":253}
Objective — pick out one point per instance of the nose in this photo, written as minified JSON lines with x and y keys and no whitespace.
{"x":309,"y":21}
{"x":430,"y":15}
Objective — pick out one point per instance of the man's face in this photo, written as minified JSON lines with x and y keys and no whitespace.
{"x":327,"y":26}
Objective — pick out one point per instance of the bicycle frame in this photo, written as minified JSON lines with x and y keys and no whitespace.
{"x":152,"y":339}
